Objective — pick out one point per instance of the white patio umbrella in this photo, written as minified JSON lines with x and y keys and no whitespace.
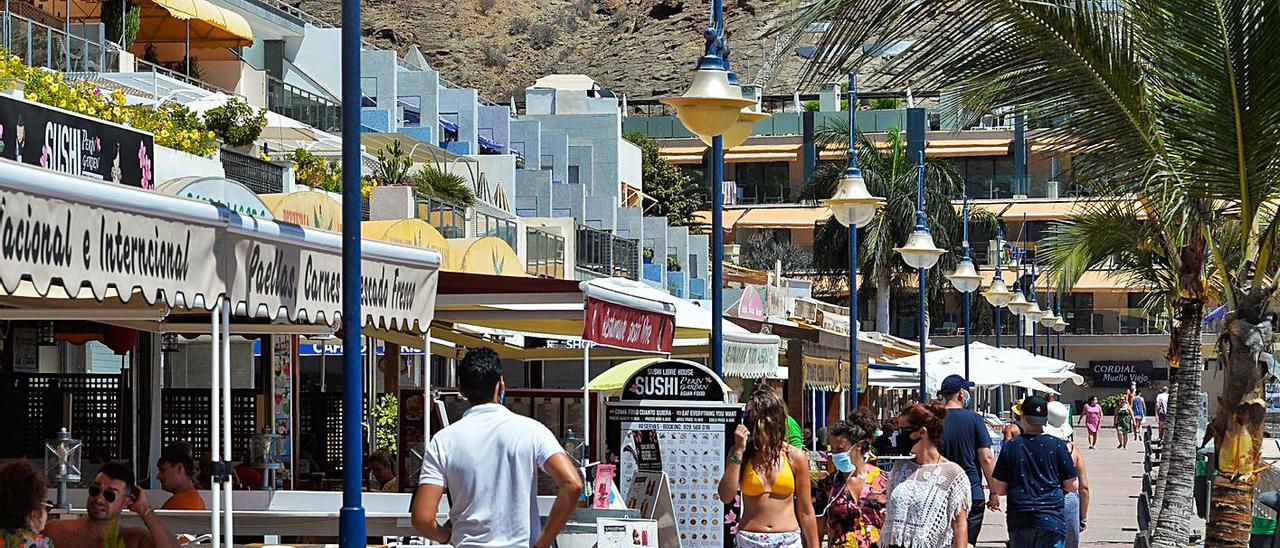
{"x":988,"y":366}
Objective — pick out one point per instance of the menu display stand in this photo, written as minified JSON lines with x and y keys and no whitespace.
{"x":673,"y":420}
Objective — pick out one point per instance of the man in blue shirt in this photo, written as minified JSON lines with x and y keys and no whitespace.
{"x":967,"y":442}
{"x":1034,"y":471}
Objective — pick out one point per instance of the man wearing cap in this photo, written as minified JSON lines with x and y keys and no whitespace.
{"x":1034,"y":471}
{"x":967,"y":442}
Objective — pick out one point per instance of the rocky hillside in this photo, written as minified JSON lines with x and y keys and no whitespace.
{"x":641,"y":48}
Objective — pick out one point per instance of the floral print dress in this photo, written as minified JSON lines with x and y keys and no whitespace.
{"x":854,"y":522}
{"x":23,"y":538}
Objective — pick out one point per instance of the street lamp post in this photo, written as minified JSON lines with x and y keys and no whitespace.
{"x":920,"y":253}
{"x":1049,"y":320}
{"x":709,"y":109}
{"x":1060,"y":326}
{"x":351,"y":517}
{"x":966,"y":280}
{"x":853,"y":206}
{"x":999,"y":296}
{"x":1033,"y":313}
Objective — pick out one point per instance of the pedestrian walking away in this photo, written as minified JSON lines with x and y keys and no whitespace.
{"x":113,"y":490}
{"x":1033,"y":472}
{"x":1092,"y":419}
{"x":1139,"y":411}
{"x":967,"y":442}
{"x":1075,"y":507}
{"x":488,"y":461}
{"x":773,"y":477}
{"x":929,"y":496}
{"x":1162,"y":408}
{"x":851,"y":501}
{"x":1124,"y":424}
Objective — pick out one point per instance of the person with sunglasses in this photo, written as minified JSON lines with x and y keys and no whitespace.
{"x":113,"y":490}
{"x":852,"y":499}
{"x":929,"y":496}
{"x":23,"y":510}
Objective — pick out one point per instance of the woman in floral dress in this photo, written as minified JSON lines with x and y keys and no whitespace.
{"x":852,"y":499}
{"x":23,"y":510}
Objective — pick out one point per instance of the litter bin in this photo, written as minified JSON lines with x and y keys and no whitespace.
{"x":1204,"y":478}
{"x":1263,"y":532}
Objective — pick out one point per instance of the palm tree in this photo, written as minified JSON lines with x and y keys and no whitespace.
{"x":1173,"y":103}
{"x":889,"y":173}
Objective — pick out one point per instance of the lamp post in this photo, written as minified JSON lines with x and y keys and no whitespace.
{"x":966,"y":280}
{"x":1060,"y":326}
{"x":1019,"y":304}
{"x":1049,"y":320}
{"x":1033,"y":313}
{"x":710,"y":108}
{"x":853,"y":206}
{"x":998,"y":295}
{"x":920,"y":253}
{"x":351,"y":518}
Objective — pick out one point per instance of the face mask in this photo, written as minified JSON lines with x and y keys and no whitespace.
{"x":842,"y":461}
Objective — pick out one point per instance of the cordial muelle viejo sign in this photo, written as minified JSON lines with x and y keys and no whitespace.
{"x":1119,"y":373}
{"x":40,"y":135}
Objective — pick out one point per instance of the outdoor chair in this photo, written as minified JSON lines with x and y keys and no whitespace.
{"x":1143,"y":538}
{"x":1146,"y":484}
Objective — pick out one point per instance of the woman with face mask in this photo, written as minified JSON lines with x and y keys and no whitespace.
{"x":23,"y":510}
{"x":929,"y":496}
{"x":852,"y":499}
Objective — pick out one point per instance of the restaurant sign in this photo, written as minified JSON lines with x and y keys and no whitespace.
{"x":673,"y":380}
{"x":308,"y":283}
{"x":826,"y":373}
{"x":619,"y":326}
{"x":1119,"y":373}
{"x":749,"y":359}
{"x":81,"y":244}
{"x":40,"y":135}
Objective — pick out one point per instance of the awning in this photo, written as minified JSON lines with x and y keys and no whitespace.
{"x":210,"y":26}
{"x":741,"y":153}
{"x":729,"y":217}
{"x":70,"y":233}
{"x":610,"y":382}
{"x":419,"y":152}
{"x":1033,"y":209}
{"x":988,"y":366}
{"x":783,"y":217}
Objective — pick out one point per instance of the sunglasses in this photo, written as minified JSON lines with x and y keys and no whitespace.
{"x":108,"y":495}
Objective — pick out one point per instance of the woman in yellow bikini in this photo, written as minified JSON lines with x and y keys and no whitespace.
{"x":777,"y":508}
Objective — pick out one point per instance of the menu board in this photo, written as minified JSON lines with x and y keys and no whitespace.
{"x":689,"y":443}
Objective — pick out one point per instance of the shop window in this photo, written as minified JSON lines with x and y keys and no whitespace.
{"x":762,"y":182}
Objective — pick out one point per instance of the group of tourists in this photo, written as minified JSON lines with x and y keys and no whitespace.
{"x":1130,"y":415}
{"x":933,"y":499}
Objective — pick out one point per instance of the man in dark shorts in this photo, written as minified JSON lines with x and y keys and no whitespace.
{"x":967,"y":442}
{"x":1035,"y":471}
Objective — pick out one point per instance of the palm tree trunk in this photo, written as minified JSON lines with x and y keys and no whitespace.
{"x":1238,"y":425}
{"x":1160,"y":485}
{"x":1172,"y":528}
{"x":1178,"y":458}
{"x":882,"y":301}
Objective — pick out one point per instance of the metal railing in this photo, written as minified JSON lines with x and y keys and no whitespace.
{"x":544,"y":253}
{"x":40,"y":45}
{"x":301,"y":105}
{"x":1083,"y":321}
{"x":142,"y":65}
{"x":449,"y":219}
{"x":261,"y":176}
{"x":490,"y":225}
{"x":605,"y":253}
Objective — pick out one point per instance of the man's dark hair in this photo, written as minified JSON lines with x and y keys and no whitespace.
{"x":119,"y":471}
{"x":380,"y":457}
{"x":177,"y":455}
{"x":478,"y":375}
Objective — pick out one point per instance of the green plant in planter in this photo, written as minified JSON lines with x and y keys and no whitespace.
{"x":648,"y":255}
{"x":1110,"y":403}
{"x":111,"y":20}
{"x":386,"y":414}
{"x":450,"y":187}
{"x":316,"y":172}
{"x":673,"y":264}
{"x":236,"y":123}
{"x":393,"y":165}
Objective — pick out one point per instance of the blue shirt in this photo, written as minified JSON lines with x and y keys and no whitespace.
{"x":963,"y":434}
{"x":1139,"y":408}
{"x":1034,"y":467}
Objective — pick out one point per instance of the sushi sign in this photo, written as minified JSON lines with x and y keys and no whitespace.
{"x":63,"y":141}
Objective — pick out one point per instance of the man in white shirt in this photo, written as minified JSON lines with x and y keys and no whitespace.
{"x":488,"y":462}
{"x":1162,"y":407}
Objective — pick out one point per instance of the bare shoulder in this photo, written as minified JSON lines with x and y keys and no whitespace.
{"x":798,"y":457}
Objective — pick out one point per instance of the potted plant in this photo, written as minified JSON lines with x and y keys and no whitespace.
{"x":648,"y":255}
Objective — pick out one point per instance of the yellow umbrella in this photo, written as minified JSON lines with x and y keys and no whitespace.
{"x":611,"y":382}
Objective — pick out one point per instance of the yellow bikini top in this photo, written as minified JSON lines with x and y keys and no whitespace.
{"x":783,"y":485}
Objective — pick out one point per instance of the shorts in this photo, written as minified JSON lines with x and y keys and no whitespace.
{"x":1161,"y":417}
{"x":748,"y":539}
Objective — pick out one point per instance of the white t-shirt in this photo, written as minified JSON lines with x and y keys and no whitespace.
{"x":922,"y":501}
{"x":1162,"y":403}
{"x":488,"y":461}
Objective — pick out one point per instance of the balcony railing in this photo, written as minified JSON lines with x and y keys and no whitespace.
{"x":301,"y":105}
{"x":40,"y":45}
{"x":603,"y":252}
{"x":261,"y":176}
{"x":449,"y":219}
{"x":545,"y":253}
{"x":1090,"y":321}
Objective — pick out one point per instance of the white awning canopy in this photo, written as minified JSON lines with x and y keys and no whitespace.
{"x":988,"y":366}
{"x":71,"y":233}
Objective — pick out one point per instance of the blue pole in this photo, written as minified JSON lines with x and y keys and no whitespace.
{"x":967,"y":294}
{"x":717,"y":255}
{"x":999,"y":313}
{"x":1036,"y":324}
{"x":351,"y":524}
{"x":922,"y":223}
{"x":853,"y":252}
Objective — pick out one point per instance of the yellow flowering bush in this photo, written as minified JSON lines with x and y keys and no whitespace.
{"x":173,"y":125}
